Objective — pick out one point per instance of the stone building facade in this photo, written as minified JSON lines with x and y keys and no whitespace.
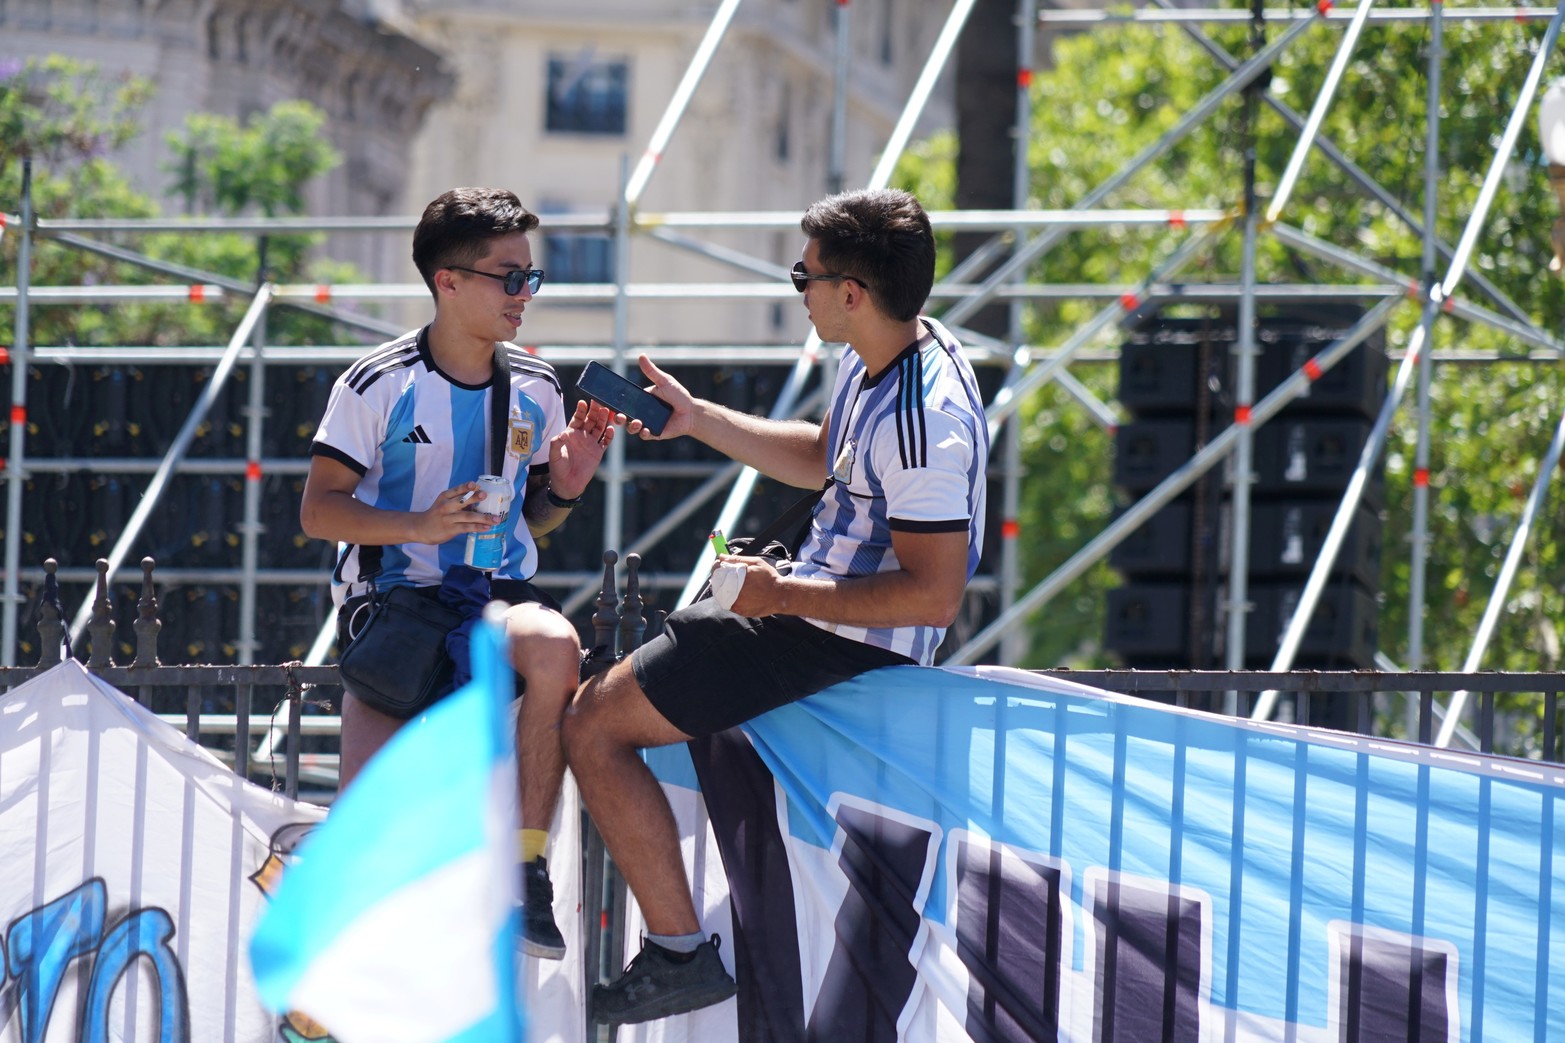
{"x":375,"y":83}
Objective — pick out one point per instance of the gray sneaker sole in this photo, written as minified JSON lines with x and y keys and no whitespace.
{"x":682,"y":1002}
{"x":541,"y":951}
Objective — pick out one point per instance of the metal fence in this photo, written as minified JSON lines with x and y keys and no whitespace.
{"x":287,"y":712}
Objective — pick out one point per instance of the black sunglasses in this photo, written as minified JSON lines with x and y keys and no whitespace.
{"x":513,"y":279}
{"x":802,"y":278}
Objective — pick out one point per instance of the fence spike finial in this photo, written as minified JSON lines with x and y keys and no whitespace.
{"x":51,"y":621}
{"x":633,"y":621}
{"x":606,"y":619}
{"x":147,"y":623}
{"x":101,"y":628}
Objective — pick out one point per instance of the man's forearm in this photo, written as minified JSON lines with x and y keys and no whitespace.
{"x":344,"y":518}
{"x":887,"y":599}
{"x":785,"y":450}
{"x":542,"y":517}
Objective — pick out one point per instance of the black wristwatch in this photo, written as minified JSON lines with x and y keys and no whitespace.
{"x":560,"y":501}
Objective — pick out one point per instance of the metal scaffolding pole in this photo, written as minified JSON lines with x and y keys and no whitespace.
{"x":1170,"y":487}
{"x":1244,"y":397}
{"x":17,"y":465}
{"x":1191,"y":15}
{"x":1420,"y":534}
{"x":1455,"y":306}
{"x":1245,"y":349}
{"x":1020,"y":383}
{"x":1241,"y":78}
{"x":1015,"y":644}
{"x":1502,"y":585}
{"x":1375,"y":190}
{"x":614,"y":492}
{"x":678,"y":103}
{"x":117,"y":253}
{"x":1294,"y":633}
{"x":939,"y":54}
{"x":1323,"y":100}
{"x":250,"y":530}
{"x":176,"y":450}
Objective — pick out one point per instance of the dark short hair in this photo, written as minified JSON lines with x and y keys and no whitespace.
{"x":458,"y":225}
{"x":882,"y":238}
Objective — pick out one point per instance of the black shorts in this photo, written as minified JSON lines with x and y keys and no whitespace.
{"x":711,"y":669}
{"x":354,"y":612}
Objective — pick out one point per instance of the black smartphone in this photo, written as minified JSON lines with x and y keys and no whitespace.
{"x":602,"y":384}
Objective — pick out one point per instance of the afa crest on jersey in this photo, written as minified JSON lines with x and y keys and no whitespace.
{"x":521,"y":436}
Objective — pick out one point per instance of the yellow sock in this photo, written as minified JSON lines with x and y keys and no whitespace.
{"x":532,"y":843}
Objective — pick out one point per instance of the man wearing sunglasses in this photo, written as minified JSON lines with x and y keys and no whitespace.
{"x":879,"y":576}
{"x":407,"y":430}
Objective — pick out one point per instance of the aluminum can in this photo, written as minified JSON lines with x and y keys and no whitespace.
{"x":486,"y":550}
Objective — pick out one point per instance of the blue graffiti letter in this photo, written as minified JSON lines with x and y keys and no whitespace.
{"x":44,"y":942}
{"x":143,"y":933}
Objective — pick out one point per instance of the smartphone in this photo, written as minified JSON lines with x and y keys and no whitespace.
{"x":602,"y":384}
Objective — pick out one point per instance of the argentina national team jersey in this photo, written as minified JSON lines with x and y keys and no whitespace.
{"x":908,"y":451}
{"x":411,"y":432}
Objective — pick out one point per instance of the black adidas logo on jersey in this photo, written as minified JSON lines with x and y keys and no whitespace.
{"x":417,"y":436}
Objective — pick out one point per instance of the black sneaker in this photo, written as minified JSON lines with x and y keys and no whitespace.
{"x":540,"y":937}
{"x":657,"y":984}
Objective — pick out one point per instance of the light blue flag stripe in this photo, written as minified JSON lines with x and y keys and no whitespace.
{"x":420,"y":804}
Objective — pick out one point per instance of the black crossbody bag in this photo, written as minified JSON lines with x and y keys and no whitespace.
{"x":398,"y":663}
{"x":769,"y":541}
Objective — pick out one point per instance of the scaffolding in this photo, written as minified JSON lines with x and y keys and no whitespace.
{"x":1019,"y":238}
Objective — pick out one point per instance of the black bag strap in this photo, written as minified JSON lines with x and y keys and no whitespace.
{"x":794,"y":516}
{"x":499,"y":400}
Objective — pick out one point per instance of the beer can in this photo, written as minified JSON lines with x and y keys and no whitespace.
{"x":486,"y":550}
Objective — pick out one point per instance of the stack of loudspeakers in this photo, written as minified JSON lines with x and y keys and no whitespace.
{"x":121,"y":412}
{"x":1176,"y":381}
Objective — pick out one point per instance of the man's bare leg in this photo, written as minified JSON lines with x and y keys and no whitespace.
{"x":609,"y":722}
{"x":364,"y":732}
{"x":546,"y":653}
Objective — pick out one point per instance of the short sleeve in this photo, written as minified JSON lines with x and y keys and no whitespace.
{"x":925,"y":472}
{"x":350,"y":431}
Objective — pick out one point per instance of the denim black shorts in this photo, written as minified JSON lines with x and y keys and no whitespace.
{"x":711,"y":669}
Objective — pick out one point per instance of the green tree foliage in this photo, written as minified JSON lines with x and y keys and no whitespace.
{"x":1115,"y":90}
{"x":219,"y":166}
{"x":66,"y":116}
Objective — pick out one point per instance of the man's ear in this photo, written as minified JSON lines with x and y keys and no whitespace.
{"x":445,"y":282}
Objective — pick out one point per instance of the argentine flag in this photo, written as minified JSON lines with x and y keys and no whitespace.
{"x":397,"y":922}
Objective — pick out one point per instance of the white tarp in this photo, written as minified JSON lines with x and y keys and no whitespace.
{"x":134,"y":868}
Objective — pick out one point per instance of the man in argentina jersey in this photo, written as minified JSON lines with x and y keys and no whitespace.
{"x":405,"y":434}
{"x":880,"y":575}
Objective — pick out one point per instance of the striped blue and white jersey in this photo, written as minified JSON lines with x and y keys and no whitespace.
{"x":909,"y":448}
{"x":411,"y":432}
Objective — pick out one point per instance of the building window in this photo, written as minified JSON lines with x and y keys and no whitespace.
{"x":586,"y":95}
{"x":576,"y":256}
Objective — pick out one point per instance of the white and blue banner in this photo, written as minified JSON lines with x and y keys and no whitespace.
{"x":987,"y":854}
{"x":133,"y":866}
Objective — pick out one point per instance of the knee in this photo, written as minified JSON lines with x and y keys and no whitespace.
{"x":543,"y":647}
{"x":584,"y":723}
{"x":575,"y":727}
